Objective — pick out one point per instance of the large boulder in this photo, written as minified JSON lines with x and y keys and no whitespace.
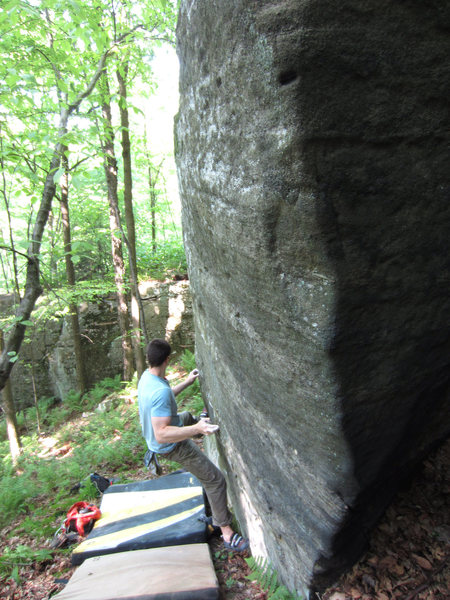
{"x":312,"y":150}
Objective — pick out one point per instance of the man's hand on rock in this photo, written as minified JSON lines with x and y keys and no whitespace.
{"x":192,"y":377}
{"x":205,"y":427}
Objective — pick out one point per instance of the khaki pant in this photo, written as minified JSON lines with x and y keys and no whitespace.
{"x":191,"y":458}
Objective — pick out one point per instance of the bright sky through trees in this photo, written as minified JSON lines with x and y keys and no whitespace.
{"x":160,"y":110}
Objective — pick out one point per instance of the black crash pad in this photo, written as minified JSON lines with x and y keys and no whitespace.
{"x":173,"y":573}
{"x":147,"y":514}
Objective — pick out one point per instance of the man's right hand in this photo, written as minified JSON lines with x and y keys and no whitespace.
{"x":205,"y":427}
{"x":165,"y":433}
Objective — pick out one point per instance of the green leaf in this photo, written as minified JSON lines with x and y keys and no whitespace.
{"x":11,"y":80}
{"x":62,"y":85}
{"x":15,"y":575}
{"x":13,"y":356}
{"x":58,"y":174}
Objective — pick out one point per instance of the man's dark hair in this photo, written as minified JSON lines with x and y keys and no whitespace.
{"x":157,"y":352}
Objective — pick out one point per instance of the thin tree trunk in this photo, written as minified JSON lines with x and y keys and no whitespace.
{"x":129,"y":220}
{"x":110,"y":165}
{"x":70,"y":274}
{"x":8,"y":214}
{"x":152,"y":181}
{"x":10,"y":414}
{"x":5,"y":276}
{"x":151,"y":184}
{"x":36,"y":405}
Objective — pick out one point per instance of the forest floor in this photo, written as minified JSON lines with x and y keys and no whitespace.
{"x":408,"y":557}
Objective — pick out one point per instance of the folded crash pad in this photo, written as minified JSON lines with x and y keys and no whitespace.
{"x":147,"y":514}
{"x":173,"y":573}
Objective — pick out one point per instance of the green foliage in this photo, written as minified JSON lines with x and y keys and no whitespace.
{"x":73,"y":401}
{"x":88,"y":491}
{"x":190,"y":399}
{"x":52,"y":51}
{"x":101,"y":390}
{"x":11,"y":560}
{"x":14,"y":493}
{"x":106,"y":442}
{"x":169,"y":256}
{"x":267,"y":577}
{"x":187,"y":361}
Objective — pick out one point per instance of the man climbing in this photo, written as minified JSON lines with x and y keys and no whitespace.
{"x":169,"y":433}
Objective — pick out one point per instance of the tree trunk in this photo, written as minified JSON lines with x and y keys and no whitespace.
{"x":10,"y":414}
{"x":8,"y":214}
{"x":129,"y":219}
{"x":33,"y":287}
{"x":151,"y":185}
{"x":70,"y":274}
{"x":152,"y":181}
{"x":110,"y":165}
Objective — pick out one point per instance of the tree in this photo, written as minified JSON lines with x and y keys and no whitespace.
{"x":10,"y":415}
{"x":110,"y":166}
{"x":136,"y":313}
{"x":70,"y":272}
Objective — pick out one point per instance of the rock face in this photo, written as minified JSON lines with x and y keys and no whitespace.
{"x":49,"y":357}
{"x":312,"y":149}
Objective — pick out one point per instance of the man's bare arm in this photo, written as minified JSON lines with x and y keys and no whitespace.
{"x":186,"y":383}
{"x":165,"y":433}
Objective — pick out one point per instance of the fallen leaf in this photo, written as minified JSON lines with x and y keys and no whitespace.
{"x":422,"y":562}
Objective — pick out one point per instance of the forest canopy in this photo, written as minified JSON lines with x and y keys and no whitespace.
{"x":51,"y":52}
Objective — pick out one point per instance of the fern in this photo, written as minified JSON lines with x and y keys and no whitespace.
{"x":190,"y":399}
{"x":11,"y":560}
{"x":266,"y":576}
{"x":187,"y":360}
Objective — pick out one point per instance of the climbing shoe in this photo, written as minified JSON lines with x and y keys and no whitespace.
{"x":237,"y":543}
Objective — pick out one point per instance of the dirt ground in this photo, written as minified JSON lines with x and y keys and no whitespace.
{"x":408,"y":556}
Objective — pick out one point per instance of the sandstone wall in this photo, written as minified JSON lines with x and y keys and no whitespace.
{"x":48,"y":353}
{"x":312,"y":150}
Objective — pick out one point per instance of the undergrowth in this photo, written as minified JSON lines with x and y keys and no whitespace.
{"x":191,"y":397}
{"x":12,"y":559}
{"x":267,"y":578}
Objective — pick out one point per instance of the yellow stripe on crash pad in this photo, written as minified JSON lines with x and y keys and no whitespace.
{"x":113,"y":539}
{"x":151,"y":504}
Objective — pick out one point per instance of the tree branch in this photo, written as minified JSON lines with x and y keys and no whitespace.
{"x":13,"y":250}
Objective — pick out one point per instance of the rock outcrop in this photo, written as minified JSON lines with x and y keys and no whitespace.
{"x":312,"y":149}
{"x":47,"y":360}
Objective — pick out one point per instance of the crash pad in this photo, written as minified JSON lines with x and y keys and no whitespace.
{"x":147,"y":514}
{"x":174,"y":573}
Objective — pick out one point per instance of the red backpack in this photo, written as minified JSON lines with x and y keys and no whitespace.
{"x":81,"y":518}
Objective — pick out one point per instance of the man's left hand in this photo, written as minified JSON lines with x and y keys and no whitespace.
{"x":192,"y":376}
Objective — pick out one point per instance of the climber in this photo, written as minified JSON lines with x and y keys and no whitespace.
{"x":169,"y":434}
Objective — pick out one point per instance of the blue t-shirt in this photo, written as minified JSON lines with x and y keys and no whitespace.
{"x":156,"y":399}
